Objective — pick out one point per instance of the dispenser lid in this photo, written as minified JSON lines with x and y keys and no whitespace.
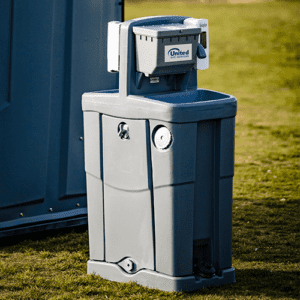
{"x":166,"y":30}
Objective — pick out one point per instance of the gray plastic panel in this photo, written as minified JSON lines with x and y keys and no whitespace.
{"x":125,"y":160}
{"x":128,"y":226}
{"x":227,"y":147}
{"x":225,"y":223}
{"x":173,"y":214}
{"x":92,"y":150}
{"x":177,"y":163}
{"x":204,"y":183}
{"x":95,"y":217}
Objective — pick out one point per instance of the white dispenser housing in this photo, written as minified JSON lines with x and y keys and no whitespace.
{"x":163,"y":49}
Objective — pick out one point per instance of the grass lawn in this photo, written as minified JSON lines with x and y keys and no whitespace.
{"x":255,"y":56}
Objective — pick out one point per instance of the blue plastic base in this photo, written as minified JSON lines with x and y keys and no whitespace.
{"x":157,"y":280}
{"x":76,"y":217}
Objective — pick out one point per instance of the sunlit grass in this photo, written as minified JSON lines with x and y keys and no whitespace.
{"x":255,"y":56}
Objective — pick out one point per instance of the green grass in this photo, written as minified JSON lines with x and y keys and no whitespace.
{"x":255,"y":56}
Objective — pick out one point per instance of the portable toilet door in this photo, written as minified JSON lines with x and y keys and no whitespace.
{"x":52,"y":51}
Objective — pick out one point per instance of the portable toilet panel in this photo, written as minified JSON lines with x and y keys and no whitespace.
{"x":51,"y":52}
{"x":159,"y":160}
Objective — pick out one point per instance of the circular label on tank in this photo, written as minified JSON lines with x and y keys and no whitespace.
{"x":162,"y":138}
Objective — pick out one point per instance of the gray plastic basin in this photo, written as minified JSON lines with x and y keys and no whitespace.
{"x":178,"y":107}
{"x":198,"y":95}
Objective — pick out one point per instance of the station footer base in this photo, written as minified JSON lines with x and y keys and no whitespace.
{"x":153,"y":279}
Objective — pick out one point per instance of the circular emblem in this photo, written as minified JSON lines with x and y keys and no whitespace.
{"x":162,"y":138}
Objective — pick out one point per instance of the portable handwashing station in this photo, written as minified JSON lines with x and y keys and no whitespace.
{"x":159,"y":160}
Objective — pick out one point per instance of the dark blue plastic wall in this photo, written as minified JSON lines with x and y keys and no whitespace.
{"x":51,"y":52}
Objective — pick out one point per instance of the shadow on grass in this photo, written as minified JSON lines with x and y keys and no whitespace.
{"x":257,"y":282}
{"x":266,"y":230}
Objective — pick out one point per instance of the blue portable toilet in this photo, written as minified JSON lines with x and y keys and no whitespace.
{"x":51,"y":52}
